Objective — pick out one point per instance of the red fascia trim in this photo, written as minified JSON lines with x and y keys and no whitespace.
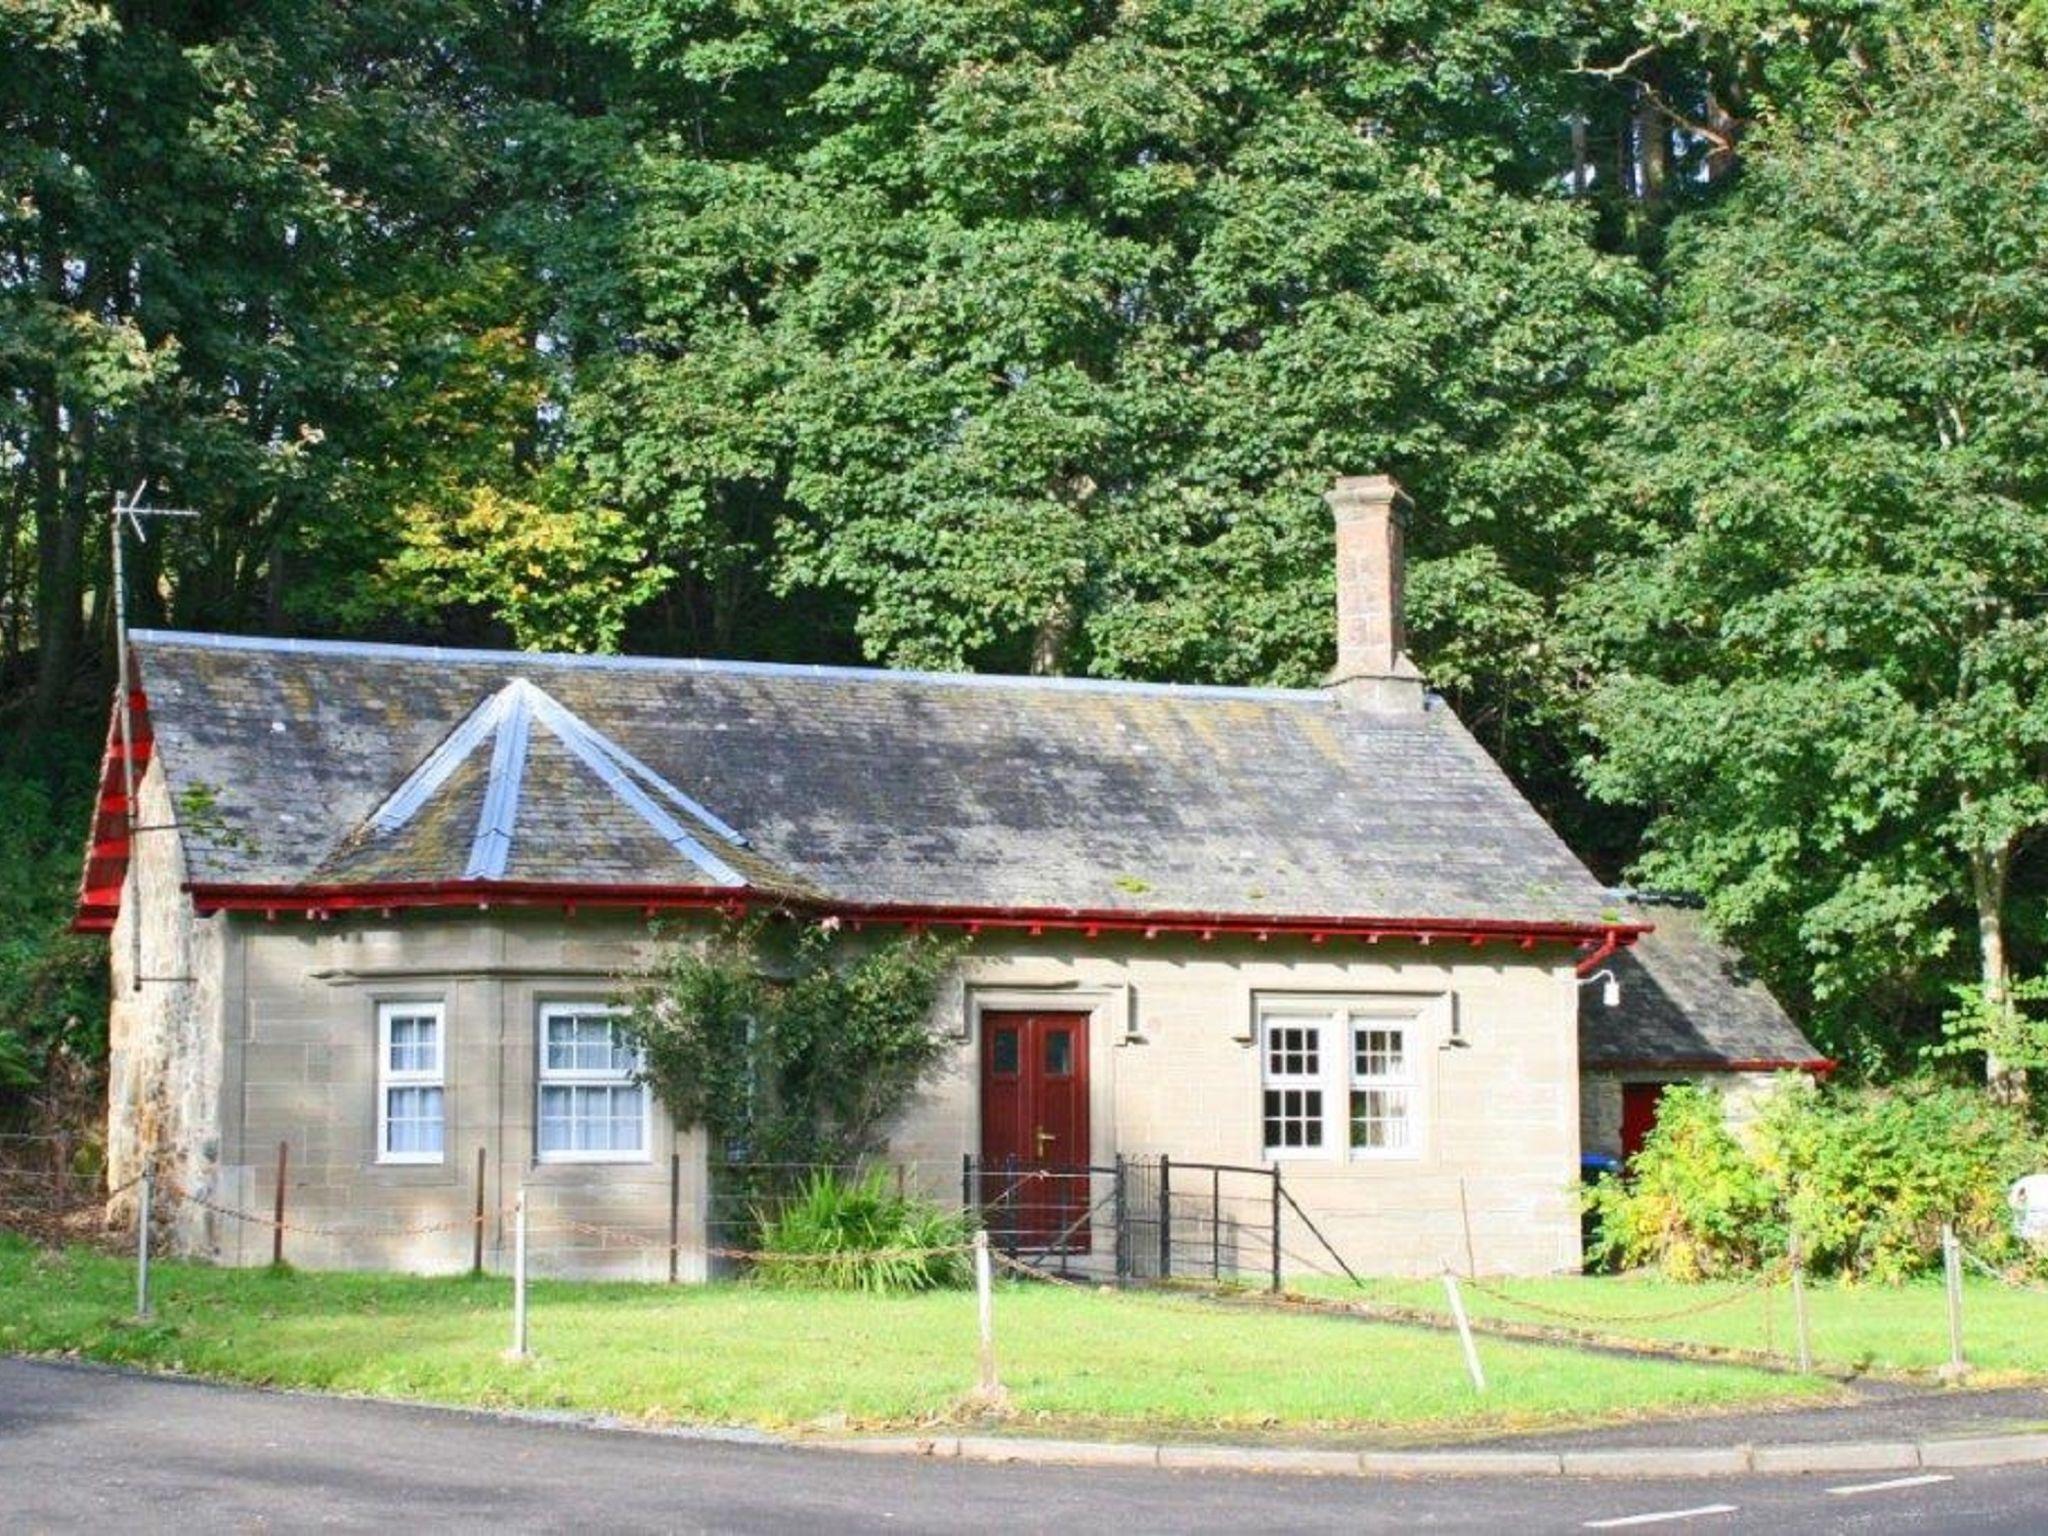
{"x":1819,"y":1066}
{"x":104,"y":874}
{"x":1468,"y":930}
{"x":521,"y":893}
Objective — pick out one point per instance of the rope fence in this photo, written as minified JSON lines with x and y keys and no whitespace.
{"x":65,"y":1205}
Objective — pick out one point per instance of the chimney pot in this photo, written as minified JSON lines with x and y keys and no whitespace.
{"x":1373,"y":668}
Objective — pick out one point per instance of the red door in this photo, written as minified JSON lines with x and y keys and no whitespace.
{"x":1034,"y":1128}
{"x":1638,"y":1115}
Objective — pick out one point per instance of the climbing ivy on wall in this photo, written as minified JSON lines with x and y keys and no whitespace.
{"x":792,"y":1043}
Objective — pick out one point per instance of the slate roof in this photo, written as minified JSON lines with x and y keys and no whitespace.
{"x":849,"y":785}
{"x":1687,"y":1000}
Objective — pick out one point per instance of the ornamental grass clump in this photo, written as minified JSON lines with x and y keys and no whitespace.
{"x":841,"y":1233}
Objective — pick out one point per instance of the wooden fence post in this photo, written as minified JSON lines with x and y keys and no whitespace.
{"x":990,"y":1388}
{"x":142,"y":1220}
{"x":1464,"y":1330}
{"x":1800,"y":1322}
{"x":1952,"y":1274}
{"x":476,"y":1251}
{"x":284,"y":1149}
{"x":1276,"y":1229}
{"x":675,"y":1211}
{"x":518,"y":1349}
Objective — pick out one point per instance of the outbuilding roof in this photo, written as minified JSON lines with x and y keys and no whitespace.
{"x":1689,"y":1002}
{"x":327,"y":765}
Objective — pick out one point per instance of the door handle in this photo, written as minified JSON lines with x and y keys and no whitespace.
{"x":1041,"y":1137}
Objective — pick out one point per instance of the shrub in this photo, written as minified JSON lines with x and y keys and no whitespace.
{"x":1869,"y":1176}
{"x":1866,"y":1177}
{"x":1693,"y":1202}
{"x":793,"y":1043}
{"x":853,"y":1234}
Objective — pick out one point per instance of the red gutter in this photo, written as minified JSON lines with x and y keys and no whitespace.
{"x":1819,"y":1066}
{"x":1608,"y":946}
{"x":321,"y":900}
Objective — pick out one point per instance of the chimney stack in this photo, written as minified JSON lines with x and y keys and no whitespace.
{"x":1373,"y":668}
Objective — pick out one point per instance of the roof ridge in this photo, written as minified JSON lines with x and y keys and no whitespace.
{"x":386,"y":650}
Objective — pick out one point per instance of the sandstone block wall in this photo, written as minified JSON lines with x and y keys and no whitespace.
{"x":1173,"y":1061}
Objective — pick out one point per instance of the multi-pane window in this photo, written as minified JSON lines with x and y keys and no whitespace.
{"x":1293,"y":1083}
{"x":1340,"y":1077}
{"x":411,"y":1087}
{"x":593,"y":1108}
{"x":1382,"y":1104}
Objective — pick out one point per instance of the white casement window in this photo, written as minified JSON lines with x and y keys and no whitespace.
{"x":1341,"y":1078}
{"x":1294,"y":1047}
{"x":412,"y":1088}
{"x":593,"y":1108}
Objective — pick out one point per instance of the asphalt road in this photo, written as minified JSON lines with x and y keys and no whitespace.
{"x":83,"y":1448}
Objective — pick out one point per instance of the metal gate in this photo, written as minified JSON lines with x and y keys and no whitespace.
{"x":1136,"y":1221}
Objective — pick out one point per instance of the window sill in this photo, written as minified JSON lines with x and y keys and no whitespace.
{"x":1348,"y":1159}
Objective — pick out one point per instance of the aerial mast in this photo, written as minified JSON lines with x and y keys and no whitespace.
{"x":129,"y":513}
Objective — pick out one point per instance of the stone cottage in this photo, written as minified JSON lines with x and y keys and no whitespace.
{"x":375,"y":902}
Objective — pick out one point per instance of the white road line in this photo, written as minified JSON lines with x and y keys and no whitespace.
{"x":1661,"y":1517}
{"x":1897,"y":1482}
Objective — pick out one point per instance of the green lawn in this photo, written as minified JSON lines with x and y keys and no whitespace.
{"x":1073,"y":1360}
{"x":1865,"y":1327}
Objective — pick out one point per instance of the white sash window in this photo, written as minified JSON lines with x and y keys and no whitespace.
{"x":592,"y":1107}
{"x":412,"y":1088}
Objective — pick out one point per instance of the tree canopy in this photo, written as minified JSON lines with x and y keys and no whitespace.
{"x":1827,"y":659}
{"x":1020,"y":335}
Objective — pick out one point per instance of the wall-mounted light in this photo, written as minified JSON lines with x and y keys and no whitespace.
{"x":1610,"y":987}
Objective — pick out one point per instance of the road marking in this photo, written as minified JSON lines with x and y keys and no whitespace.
{"x":1660,"y":1517}
{"x":1897,"y":1482}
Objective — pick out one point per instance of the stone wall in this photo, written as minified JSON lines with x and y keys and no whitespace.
{"x":164,"y":1026}
{"x":1175,"y":1069}
{"x":1173,"y":1066}
{"x":303,"y":1070}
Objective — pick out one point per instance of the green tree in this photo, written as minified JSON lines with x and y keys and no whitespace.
{"x":1030,"y":335}
{"x":1827,"y":645}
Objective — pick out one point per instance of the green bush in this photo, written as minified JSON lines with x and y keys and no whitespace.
{"x":1869,"y":1176}
{"x":793,"y":1042}
{"x":1693,"y":1202}
{"x":854,"y":1234}
{"x":1866,"y":1177}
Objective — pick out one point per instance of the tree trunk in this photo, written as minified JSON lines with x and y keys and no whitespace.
{"x":1049,"y":641}
{"x":1653,"y":147}
{"x":60,"y":555}
{"x":1988,"y":870}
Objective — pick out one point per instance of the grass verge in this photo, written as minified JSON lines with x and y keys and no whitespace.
{"x":1882,"y":1328}
{"x":1072,"y":1360}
